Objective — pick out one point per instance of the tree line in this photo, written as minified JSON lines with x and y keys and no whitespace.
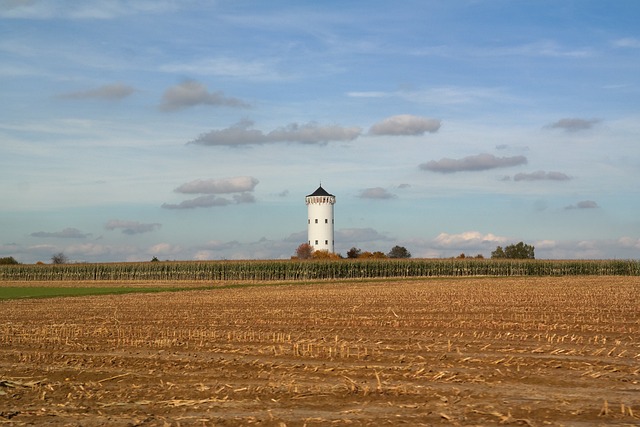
{"x":306,"y":251}
{"x":519,"y":250}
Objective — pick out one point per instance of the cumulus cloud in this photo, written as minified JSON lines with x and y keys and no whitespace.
{"x":67,"y":233}
{"x":241,"y":185}
{"x":112,"y":92}
{"x":585,"y":204}
{"x":218,"y":186}
{"x":405,"y":124}
{"x":472,"y":163}
{"x":541,"y":176}
{"x":311,"y":133}
{"x":164,"y":249}
{"x":191,"y":93}
{"x":467,"y":239}
{"x":573,"y":124}
{"x":628,"y":242}
{"x":376,"y":193}
{"x":131,"y":227}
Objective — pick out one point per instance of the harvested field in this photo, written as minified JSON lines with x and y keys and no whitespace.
{"x":457,"y":351}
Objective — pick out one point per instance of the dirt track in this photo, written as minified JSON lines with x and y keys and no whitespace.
{"x":521,"y":351}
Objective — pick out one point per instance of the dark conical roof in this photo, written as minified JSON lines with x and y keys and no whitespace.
{"x":320,"y":192}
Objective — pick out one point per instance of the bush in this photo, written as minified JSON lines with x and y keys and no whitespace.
{"x":399,"y":252}
{"x":516,"y":251}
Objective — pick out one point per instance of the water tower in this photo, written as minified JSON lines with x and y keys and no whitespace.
{"x":320,"y":219}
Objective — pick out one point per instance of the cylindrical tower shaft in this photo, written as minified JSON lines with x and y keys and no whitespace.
{"x":320,"y":221}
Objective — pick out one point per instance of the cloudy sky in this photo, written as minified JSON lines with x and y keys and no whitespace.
{"x":194,"y":129}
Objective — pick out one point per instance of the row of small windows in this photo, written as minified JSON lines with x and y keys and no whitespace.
{"x":326,"y":221}
{"x":326,"y":242}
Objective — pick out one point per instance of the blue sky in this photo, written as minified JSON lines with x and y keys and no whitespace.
{"x":194,"y":129}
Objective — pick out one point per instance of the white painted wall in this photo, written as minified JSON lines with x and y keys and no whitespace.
{"x":320,"y":222}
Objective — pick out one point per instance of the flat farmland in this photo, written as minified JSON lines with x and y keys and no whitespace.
{"x":450,"y":351}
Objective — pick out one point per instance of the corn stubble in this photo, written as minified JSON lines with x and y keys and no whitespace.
{"x":482,"y":351}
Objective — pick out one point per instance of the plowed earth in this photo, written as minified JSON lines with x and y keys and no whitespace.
{"x":474,"y":351}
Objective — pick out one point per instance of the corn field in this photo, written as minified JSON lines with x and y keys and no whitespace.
{"x":278,"y":270}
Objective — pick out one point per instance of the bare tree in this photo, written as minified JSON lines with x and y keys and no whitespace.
{"x":59,"y":258}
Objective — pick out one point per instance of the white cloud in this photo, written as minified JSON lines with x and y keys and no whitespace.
{"x":541,"y":176}
{"x":310,"y":133}
{"x":443,"y":95}
{"x":199,"y":202}
{"x":110,"y":92}
{"x":192,"y":93}
{"x":219,"y":186}
{"x":585,"y":204}
{"x":131,"y":227}
{"x":479,"y":162}
{"x":548,"y":48}
{"x":628,"y":242}
{"x":467,"y":239}
{"x":241,"y":185}
{"x":376,"y":193}
{"x":627,"y":42}
{"x":67,"y":233}
{"x":545,"y":244}
{"x":227,"y":67}
{"x":405,"y":124}
{"x":98,"y":9}
{"x":573,"y":124}
{"x":164,"y":249}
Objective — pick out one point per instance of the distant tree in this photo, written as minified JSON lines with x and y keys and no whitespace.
{"x":376,"y":254}
{"x":354,"y":252}
{"x":399,"y":252}
{"x":59,"y":258}
{"x":304,"y":251}
{"x":515,"y":251}
{"x":465,"y":256}
{"x":324,"y":254}
{"x":8,"y":260}
{"x":498,"y":253}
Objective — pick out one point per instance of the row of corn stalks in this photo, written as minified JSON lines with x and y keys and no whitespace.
{"x":316,"y":270}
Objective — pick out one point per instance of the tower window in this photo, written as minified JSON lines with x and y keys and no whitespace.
{"x":326,"y":242}
{"x":332,"y":221}
{"x":309,"y":221}
{"x":316,"y":242}
{"x":326,"y":221}
{"x":316,"y":220}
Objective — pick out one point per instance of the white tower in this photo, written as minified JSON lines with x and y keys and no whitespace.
{"x":320,"y":219}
